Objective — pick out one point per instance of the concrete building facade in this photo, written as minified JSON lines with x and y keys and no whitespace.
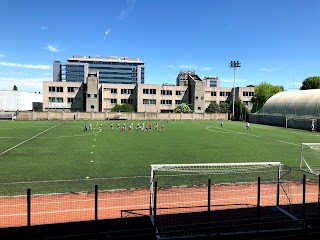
{"x":93,"y":96}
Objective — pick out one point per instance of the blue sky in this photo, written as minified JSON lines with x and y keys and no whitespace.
{"x":276,"y":41}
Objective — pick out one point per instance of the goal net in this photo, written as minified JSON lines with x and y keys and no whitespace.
{"x":310,"y":158}
{"x":187,"y":197}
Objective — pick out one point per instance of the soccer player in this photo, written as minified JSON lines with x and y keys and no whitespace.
{"x":162,"y":127}
{"x":111,"y":126}
{"x":118,"y":126}
{"x":90,"y":125}
{"x":85,"y":127}
{"x":157,"y":127}
{"x":221,"y":124}
{"x":248,"y":126}
{"x":312,"y":126}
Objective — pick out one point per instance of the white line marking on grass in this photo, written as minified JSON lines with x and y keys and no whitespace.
{"x":30,"y":139}
{"x":218,"y":129}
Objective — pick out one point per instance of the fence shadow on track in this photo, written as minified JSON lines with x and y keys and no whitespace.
{"x":140,"y":227}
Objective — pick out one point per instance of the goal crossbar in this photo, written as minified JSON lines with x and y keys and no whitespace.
{"x":212,"y":167}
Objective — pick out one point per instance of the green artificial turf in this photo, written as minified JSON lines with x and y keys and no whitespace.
{"x":32,"y":151}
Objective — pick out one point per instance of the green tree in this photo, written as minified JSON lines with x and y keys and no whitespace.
{"x":240,"y":110}
{"x":212,"y":108}
{"x":311,"y":83}
{"x":182,"y":108}
{"x":262,"y":93}
{"x":224,"y":107}
{"x":15,"y":88}
{"x":123,"y":108}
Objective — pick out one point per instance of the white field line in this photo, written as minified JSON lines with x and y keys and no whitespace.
{"x":29,"y":139}
{"x":76,"y":210}
{"x":218,"y":129}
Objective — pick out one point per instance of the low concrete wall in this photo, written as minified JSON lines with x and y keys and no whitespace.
{"x":61,"y":115}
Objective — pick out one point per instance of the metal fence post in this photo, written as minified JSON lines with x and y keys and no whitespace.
{"x":28,"y":207}
{"x":209,"y":204}
{"x":96,"y":202}
{"x":303,"y":196}
{"x":258,"y":204}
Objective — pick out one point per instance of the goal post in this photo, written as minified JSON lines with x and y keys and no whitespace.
{"x":184,"y":189}
{"x":310,"y":158}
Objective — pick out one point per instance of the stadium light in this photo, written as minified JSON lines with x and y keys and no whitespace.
{"x":234,"y":65}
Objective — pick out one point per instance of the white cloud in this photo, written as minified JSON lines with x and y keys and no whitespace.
{"x":273,"y":69}
{"x":2,"y":55}
{"x":106,"y":33}
{"x":44,"y":28}
{"x":205,"y":68}
{"x":127,"y":9}
{"x":170,"y":66}
{"x":52,"y":48}
{"x":195,"y":67}
{"x":25,"y":65}
{"x":188,"y":66}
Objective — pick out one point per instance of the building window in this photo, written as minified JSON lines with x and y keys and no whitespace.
{"x":113,"y":100}
{"x":52,"y":89}
{"x":196,"y":98}
{"x":59,"y":89}
{"x":166,"y":92}
{"x":88,"y":95}
{"x":92,"y":106}
{"x":222,"y":94}
{"x":55,"y":99}
{"x":178,"y":93}
{"x":213,"y":94}
{"x":70,"y":100}
{"x":199,"y":108}
{"x":149,"y":91}
{"x":166,"y":102}
{"x":71,"y":89}
{"x":95,"y":95}
{"x":149,"y":101}
{"x":113,"y":90}
{"x":247,"y":94}
{"x":178,"y":102}
{"x":124,"y":101}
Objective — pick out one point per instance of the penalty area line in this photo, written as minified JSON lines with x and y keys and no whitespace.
{"x":30,"y":139}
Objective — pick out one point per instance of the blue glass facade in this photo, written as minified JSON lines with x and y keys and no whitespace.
{"x":123,"y":71}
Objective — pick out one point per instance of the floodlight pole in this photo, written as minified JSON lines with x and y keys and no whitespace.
{"x":234,"y":65}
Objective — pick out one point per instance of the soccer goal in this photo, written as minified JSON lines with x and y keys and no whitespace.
{"x":310,"y":158}
{"x":186,"y":197}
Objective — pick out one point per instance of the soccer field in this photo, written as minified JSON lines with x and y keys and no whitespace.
{"x":61,"y":150}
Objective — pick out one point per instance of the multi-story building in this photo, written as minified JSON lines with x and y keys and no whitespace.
{"x":119,"y":70}
{"x":182,"y":78}
{"x":95,"y":96}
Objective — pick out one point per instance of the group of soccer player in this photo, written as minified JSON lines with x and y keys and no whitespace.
{"x":140,"y":127}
